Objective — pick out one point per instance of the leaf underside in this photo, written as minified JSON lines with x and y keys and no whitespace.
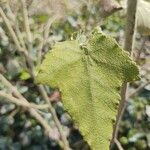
{"x":89,"y":77}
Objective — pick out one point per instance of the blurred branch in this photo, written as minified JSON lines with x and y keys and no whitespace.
{"x":45,"y":37}
{"x":26,"y":23}
{"x":108,"y":7}
{"x":32,"y":111}
{"x":12,"y":17}
{"x":14,"y":112}
{"x":32,"y":73}
{"x":129,"y":46}
{"x":20,"y":37}
{"x":20,"y":102}
{"x":53,"y":112}
{"x":16,"y":41}
{"x":138,"y":90}
{"x":12,"y":33}
{"x":118,"y":144}
{"x":144,"y":38}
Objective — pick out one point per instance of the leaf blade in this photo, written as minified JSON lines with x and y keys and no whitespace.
{"x":89,"y":93}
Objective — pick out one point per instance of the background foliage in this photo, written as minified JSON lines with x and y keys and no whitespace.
{"x":18,"y":130}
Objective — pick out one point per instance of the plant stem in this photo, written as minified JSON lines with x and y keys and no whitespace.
{"x":118,"y":144}
{"x":45,"y":37}
{"x":11,"y":16}
{"x":53,"y":112}
{"x":138,"y":90}
{"x":27,"y":25}
{"x":32,"y":111}
{"x":12,"y":33}
{"x":128,"y":46}
{"x":20,"y":102}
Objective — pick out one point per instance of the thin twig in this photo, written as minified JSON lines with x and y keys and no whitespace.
{"x":19,"y":35}
{"x":14,"y":37}
{"x":29,"y":37}
{"x":32,"y":111}
{"x":53,"y":112}
{"x":16,"y":41}
{"x":120,"y":113}
{"x":45,"y":37}
{"x":48,"y":26}
{"x":21,"y":102}
{"x":12,"y":16}
{"x":138,"y":90}
{"x":14,"y":112}
{"x":130,"y":34}
{"x":26,"y":22}
{"x":118,"y":144}
{"x":141,"y":48}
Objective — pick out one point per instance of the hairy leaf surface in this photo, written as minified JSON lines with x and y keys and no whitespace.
{"x":89,"y":76}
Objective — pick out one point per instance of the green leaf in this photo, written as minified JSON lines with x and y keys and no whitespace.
{"x":89,"y":76}
{"x":143,"y":19}
{"x":41,"y":18}
{"x":24,"y":75}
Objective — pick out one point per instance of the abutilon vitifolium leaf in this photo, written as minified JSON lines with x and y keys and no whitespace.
{"x":89,"y":76}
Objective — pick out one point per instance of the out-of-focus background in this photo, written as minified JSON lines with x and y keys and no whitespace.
{"x":58,"y":20}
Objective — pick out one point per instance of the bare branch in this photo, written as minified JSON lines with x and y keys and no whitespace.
{"x":32,"y":111}
{"x":129,"y":46}
{"x":11,"y":31}
{"x":21,"y":102}
{"x":138,"y":90}
{"x":12,"y":16}
{"x":26,"y":24}
{"x":108,"y":7}
{"x":26,"y":21}
{"x":118,"y":144}
{"x":53,"y":112}
{"x":45,"y":37}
